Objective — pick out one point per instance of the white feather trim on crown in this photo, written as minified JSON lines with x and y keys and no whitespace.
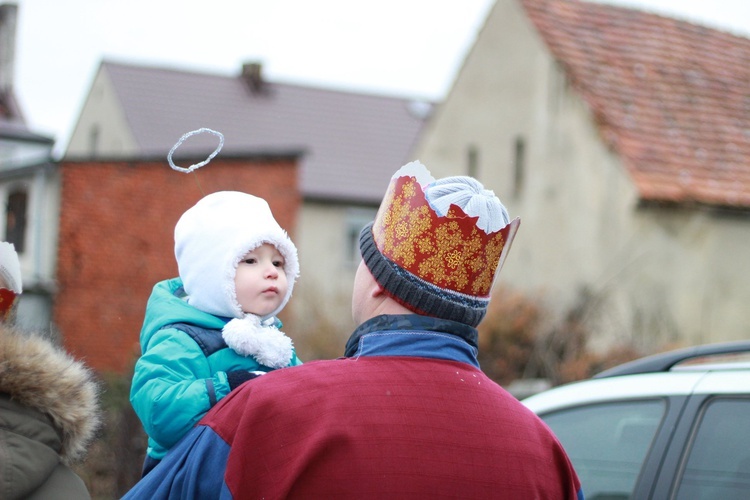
{"x":417,"y":170}
{"x":248,"y":336}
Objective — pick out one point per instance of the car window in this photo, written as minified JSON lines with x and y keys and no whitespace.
{"x":718,"y":460}
{"x":608,"y":443}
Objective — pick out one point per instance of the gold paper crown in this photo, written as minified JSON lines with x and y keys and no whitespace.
{"x":449,"y":251}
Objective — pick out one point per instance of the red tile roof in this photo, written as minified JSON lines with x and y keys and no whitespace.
{"x":671,"y":98}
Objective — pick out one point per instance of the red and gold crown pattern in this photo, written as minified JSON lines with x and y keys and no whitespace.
{"x":450,"y":252}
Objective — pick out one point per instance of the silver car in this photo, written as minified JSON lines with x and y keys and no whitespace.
{"x":670,"y":426}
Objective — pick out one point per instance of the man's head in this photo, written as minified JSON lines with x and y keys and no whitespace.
{"x":211,"y":240}
{"x":434,"y":248}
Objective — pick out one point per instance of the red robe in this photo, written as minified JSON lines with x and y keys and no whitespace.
{"x":387,"y":427}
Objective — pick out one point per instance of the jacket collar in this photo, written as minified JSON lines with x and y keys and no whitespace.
{"x":442,"y":333}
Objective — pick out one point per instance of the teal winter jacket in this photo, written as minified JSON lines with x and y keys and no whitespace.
{"x":175,"y":383}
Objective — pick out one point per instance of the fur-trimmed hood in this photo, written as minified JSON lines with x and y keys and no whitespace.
{"x":38,"y":375}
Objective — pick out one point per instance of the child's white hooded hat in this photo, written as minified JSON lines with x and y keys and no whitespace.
{"x":213,"y":236}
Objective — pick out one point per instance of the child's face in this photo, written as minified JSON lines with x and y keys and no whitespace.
{"x":260,"y":281}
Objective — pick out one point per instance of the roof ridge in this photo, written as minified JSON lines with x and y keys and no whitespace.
{"x":275,"y":82}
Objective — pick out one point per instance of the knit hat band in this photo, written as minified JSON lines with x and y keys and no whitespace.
{"x":415,"y":293}
{"x":436,"y":246}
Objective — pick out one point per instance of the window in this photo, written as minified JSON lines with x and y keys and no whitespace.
{"x":718,"y":461}
{"x":94,"y":140}
{"x":608,"y":443}
{"x":519,"y":166}
{"x":472,"y":160}
{"x":15,"y":219}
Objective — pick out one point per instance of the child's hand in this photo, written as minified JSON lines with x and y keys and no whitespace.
{"x":238,"y":377}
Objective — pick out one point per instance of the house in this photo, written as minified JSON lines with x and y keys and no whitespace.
{"x":27,"y":190}
{"x":116,"y":224}
{"x":622,"y":140}
{"x":348,"y":146}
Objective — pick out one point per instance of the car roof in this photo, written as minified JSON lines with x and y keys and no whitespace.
{"x":666,"y":361}
{"x":625,"y":388}
{"x":643,"y":386}
{"x":657,"y":376}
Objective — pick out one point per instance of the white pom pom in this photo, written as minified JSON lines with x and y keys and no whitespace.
{"x":468,"y":194}
{"x":249,"y":337}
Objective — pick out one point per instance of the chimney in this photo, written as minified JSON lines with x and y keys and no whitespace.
{"x":252,"y":74}
{"x":8,"y":17}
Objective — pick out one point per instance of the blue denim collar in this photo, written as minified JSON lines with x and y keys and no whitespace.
{"x":414,"y":335}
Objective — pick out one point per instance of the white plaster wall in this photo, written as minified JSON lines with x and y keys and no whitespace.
{"x":696,"y":262}
{"x":326,"y":271}
{"x":101,"y":111}
{"x":726,"y":287}
{"x":45,"y":204}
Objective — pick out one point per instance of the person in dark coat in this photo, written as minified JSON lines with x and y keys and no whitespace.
{"x":407,"y":412}
{"x":49,"y":410}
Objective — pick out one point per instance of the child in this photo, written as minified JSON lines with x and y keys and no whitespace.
{"x":214,"y":327}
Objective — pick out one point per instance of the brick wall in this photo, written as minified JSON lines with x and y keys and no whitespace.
{"x":116,"y":241}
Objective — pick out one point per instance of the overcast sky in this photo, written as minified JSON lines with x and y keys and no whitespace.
{"x":410,"y":48}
